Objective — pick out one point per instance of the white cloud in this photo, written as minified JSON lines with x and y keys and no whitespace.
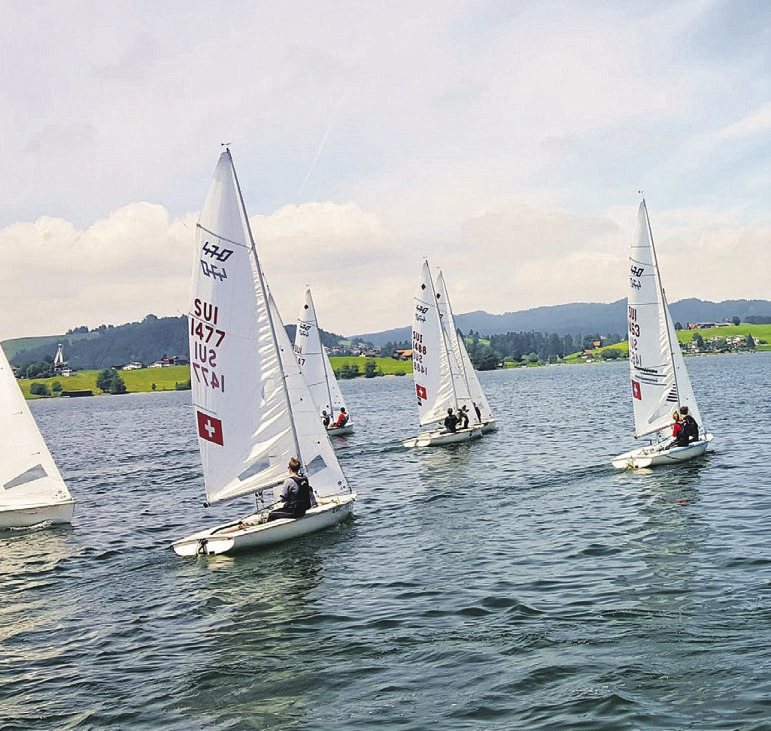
{"x":505,"y":141}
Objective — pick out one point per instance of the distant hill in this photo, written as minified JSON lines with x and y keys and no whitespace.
{"x":582,"y":318}
{"x":110,"y":345}
{"x":154,"y":337}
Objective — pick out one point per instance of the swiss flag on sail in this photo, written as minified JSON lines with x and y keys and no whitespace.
{"x":636,"y":390}
{"x":209,"y":428}
{"x":421,"y":390}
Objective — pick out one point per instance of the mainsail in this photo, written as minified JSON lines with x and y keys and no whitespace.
{"x":314,"y":362}
{"x":459,"y":350}
{"x":253,"y":409}
{"x":439,"y":383}
{"x":29,"y":476}
{"x":660,"y":383}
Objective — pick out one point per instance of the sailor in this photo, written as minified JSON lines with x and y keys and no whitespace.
{"x":678,"y":435}
{"x":463,"y":417}
{"x":325,"y":418}
{"x":296,"y":494}
{"x":478,"y":412}
{"x":342,"y":420}
{"x":690,"y":427}
{"x":450,"y":421}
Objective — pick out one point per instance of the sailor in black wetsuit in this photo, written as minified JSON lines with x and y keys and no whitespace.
{"x":690,"y":431}
{"x":451,"y":421}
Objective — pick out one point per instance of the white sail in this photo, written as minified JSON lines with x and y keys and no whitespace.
{"x":315,"y":364}
{"x":238,"y":354}
{"x":29,"y":478}
{"x":316,"y":452}
{"x":660,"y":382}
{"x":438,"y":381}
{"x":461,"y":354}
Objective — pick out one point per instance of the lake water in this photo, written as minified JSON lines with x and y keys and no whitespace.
{"x":519,"y":582}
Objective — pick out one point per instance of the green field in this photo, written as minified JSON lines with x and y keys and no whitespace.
{"x":165,"y":379}
{"x":758,"y":332}
{"x":388,"y":366}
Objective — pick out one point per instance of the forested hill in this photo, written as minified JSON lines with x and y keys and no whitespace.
{"x":108,"y":345}
{"x":581,"y":318}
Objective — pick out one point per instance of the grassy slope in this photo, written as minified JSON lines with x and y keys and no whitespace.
{"x":758,"y":332}
{"x":164,"y":379}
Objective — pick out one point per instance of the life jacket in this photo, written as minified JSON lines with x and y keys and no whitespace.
{"x":690,"y":428}
{"x":303,"y":501}
{"x":342,"y":420}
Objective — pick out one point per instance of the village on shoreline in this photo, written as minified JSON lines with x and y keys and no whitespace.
{"x":362,"y":361}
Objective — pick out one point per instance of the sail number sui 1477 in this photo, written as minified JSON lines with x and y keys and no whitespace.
{"x":208,"y":337}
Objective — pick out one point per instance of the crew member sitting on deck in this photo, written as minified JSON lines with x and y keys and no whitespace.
{"x":678,"y":435}
{"x":690,"y":427}
{"x":296,"y":494}
{"x":342,"y":420}
{"x":450,"y":421}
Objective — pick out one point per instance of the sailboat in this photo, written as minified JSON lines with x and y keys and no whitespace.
{"x":252,"y":407}
{"x":479,"y":400}
{"x":439,"y":381}
{"x":315,"y":366}
{"x":32,"y":490}
{"x":660,"y":383}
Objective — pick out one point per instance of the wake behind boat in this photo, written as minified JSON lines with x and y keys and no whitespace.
{"x":440,"y":385}
{"x":660,"y":383}
{"x":32,"y":490}
{"x":315,"y":366}
{"x":252,"y":406}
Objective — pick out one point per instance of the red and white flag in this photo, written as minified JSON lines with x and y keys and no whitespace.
{"x":421,"y":390}
{"x":209,"y":428}
{"x":636,"y":390}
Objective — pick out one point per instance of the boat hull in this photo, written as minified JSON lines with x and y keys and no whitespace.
{"x":653,"y":456}
{"x":440,"y":437}
{"x":251,"y":532}
{"x":489,"y":425}
{"x":35,"y":514}
{"x":339,"y":431}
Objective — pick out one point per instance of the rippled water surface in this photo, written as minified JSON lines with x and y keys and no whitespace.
{"x":517,"y":582}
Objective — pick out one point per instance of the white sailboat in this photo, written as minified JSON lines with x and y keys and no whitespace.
{"x":32,"y":490}
{"x":315,"y":366}
{"x":253,"y":408}
{"x":479,"y":400}
{"x":439,"y":381}
{"x":660,"y":383}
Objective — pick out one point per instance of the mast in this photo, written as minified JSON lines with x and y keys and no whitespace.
{"x":268,"y":297}
{"x":462,"y":365}
{"x":667,"y":316}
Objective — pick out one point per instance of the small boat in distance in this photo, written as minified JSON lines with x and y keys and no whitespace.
{"x":315,"y":366}
{"x":32,"y":490}
{"x":479,"y":400}
{"x":252,"y":406}
{"x":660,"y":383}
{"x":439,"y":381}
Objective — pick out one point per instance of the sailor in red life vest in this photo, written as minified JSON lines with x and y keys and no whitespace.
{"x":342,"y":420}
{"x":677,"y":431}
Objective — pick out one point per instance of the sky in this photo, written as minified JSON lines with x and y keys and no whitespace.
{"x":506,"y":141}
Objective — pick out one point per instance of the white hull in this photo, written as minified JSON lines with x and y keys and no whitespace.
{"x":340,"y":431}
{"x":489,"y":425}
{"x":250,"y":532}
{"x":654,"y":455}
{"x":439,"y":437}
{"x":35,"y":514}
